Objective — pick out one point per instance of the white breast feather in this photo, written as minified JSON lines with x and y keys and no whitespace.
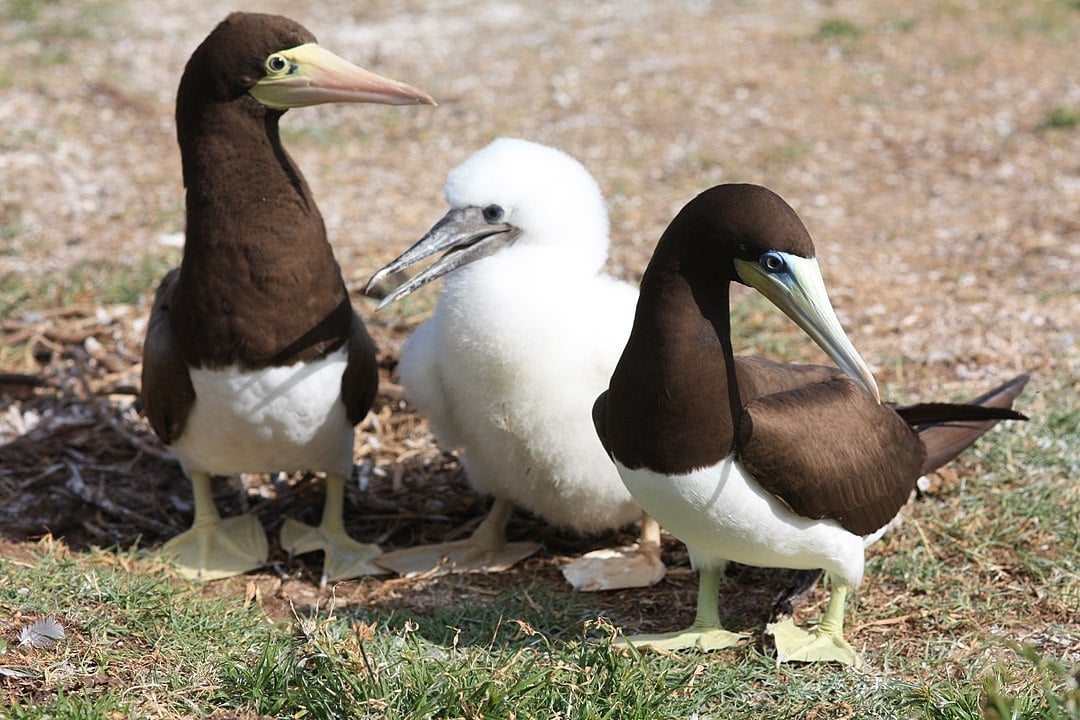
{"x":278,"y":419}
{"x":721,"y":516}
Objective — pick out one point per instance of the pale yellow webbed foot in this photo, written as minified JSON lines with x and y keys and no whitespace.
{"x":463,"y":556}
{"x":214,"y":548}
{"x":486,"y":550}
{"x":826,"y":643}
{"x":705,"y":634}
{"x":793,"y":644}
{"x":635,"y":566}
{"x":344,"y":557}
{"x":695,"y":637}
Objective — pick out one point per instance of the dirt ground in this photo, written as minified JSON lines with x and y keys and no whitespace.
{"x":926,"y":145}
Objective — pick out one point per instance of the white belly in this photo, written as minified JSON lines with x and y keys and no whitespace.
{"x":278,"y":419}
{"x":721,"y":515}
{"x":507,"y":371}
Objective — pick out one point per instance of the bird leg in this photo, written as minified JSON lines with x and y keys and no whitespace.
{"x":634,"y":566}
{"x":826,"y":643}
{"x":213,"y":548}
{"x":705,"y":634}
{"x":345,"y":558}
{"x":486,"y":550}
{"x":650,"y":530}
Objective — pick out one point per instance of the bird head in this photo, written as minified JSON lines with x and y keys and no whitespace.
{"x":278,"y":62}
{"x":748,"y":234}
{"x":511,"y":196}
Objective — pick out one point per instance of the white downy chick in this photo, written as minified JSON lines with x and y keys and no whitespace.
{"x":525,"y":335}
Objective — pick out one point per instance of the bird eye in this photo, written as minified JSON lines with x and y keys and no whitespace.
{"x":493,"y":213}
{"x":276,"y":63}
{"x":772,"y":262}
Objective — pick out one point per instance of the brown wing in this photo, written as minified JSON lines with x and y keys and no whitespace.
{"x":599,"y":419}
{"x":759,"y":376}
{"x":360,"y":382}
{"x":828,"y":450}
{"x":167,"y":393}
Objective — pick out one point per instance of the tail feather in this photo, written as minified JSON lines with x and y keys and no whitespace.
{"x":947,"y":429}
{"x":925,"y":415}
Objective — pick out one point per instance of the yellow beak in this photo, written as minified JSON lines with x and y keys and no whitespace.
{"x":798,"y":289}
{"x":310,"y":75}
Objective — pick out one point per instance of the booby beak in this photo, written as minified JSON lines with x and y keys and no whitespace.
{"x":308,"y":74}
{"x":465,"y":236}
{"x":794,"y":285}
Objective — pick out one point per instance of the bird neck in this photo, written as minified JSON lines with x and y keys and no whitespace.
{"x":259,"y":284}
{"x":236,"y":171}
{"x":674,"y":387}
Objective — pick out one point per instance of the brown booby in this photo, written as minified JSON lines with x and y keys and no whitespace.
{"x":526,"y":332}
{"x":760,"y":462}
{"x":254,"y":359}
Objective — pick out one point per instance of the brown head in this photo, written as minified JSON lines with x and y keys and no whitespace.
{"x":269,"y":64}
{"x":234,"y":56}
{"x":748,"y":234}
{"x":676,"y":386}
{"x":727,"y":223}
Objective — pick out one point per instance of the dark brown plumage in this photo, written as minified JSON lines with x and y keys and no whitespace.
{"x":259,"y":284}
{"x":258,"y":287}
{"x":943,"y":437}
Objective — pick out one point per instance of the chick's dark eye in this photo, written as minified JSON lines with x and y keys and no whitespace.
{"x":276,"y":63}
{"x":772,"y":262}
{"x":493,"y":213}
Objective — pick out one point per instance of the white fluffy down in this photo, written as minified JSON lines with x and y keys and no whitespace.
{"x":544,"y":192}
{"x":522,"y":342}
{"x":278,"y":419}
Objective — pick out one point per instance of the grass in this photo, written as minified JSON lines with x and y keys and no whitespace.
{"x":758,"y":328}
{"x":1009,"y":530}
{"x":168,"y":651}
{"x":61,"y":20}
{"x":326,"y":135}
{"x":87,"y":283}
{"x":986,"y":573}
{"x":982,"y":569}
{"x":95,"y":282}
{"x":967,"y":614}
{"x":23,"y":10}
{"x":1055,"y":20}
{"x":838,"y":28}
{"x":338,"y":669}
{"x":10,"y":226}
{"x":1063,"y":118}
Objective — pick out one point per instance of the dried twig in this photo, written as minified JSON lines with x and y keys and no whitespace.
{"x":104,"y":412}
{"x":97,"y":497}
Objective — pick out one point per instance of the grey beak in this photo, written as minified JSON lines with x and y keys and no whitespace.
{"x":465,"y":237}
